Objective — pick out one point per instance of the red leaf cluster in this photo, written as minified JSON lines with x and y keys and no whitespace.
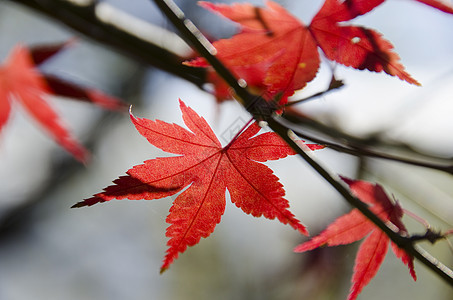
{"x":272,"y":35}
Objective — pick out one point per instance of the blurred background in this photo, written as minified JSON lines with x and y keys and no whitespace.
{"x":114,"y":250}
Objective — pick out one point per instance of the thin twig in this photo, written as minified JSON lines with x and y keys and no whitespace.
{"x":352,"y":141}
{"x":200,"y":43}
{"x":333,"y":85}
{"x":360,"y":151}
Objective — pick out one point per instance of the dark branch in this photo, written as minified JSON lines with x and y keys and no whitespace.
{"x":361,"y":150}
{"x":83,"y":19}
{"x":361,"y":146}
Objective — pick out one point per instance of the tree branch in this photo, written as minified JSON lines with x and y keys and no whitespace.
{"x":85,"y":19}
{"x":359,"y":151}
{"x":360,"y":146}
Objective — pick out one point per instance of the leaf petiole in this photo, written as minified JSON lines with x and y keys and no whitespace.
{"x":238,"y":134}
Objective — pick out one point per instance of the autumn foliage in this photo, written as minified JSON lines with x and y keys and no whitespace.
{"x":276,"y":54}
{"x":272,"y":36}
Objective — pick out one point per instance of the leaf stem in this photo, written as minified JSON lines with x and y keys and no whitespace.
{"x":238,"y":133}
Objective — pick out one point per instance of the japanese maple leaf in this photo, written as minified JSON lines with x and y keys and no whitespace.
{"x":21,"y":81}
{"x":271,"y":32}
{"x":207,"y":169}
{"x":354,"y":226}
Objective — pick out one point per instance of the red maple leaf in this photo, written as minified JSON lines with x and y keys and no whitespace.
{"x":22,"y":81}
{"x":272,"y":33}
{"x":354,"y":226}
{"x":207,"y":169}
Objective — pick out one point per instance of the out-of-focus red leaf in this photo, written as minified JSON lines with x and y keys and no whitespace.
{"x":22,"y":81}
{"x":42,"y":112}
{"x":5,"y":105}
{"x":61,"y":87}
{"x":354,"y":226}
{"x":207,"y":170}
{"x":269,"y":33}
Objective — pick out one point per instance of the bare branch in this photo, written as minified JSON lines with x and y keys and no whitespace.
{"x":361,"y":150}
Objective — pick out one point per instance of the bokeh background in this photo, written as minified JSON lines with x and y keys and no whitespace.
{"x":114,"y":250}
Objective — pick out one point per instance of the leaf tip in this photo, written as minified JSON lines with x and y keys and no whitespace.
{"x":300,"y":248}
{"x":302,"y":229}
{"x":181,"y":103}
{"x":206,"y":5}
{"x":409,"y":79}
{"x":79,"y":204}
{"x":347,"y":180}
{"x":79,"y":152}
{"x":309,"y":245}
